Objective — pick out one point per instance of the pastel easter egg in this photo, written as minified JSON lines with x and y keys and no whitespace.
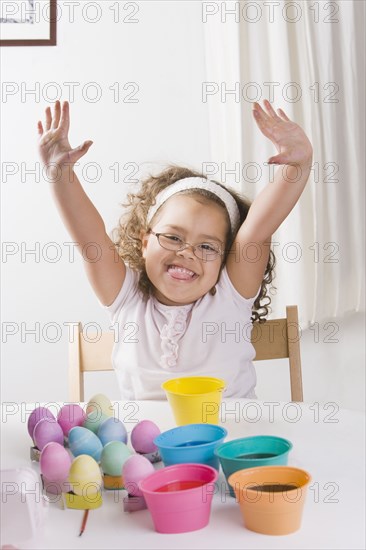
{"x":100,"y":403}
{"x":85,"y":476}
{"x":36,"y":415}
{"x":93,"y":420}
{"x":84,"y":442}
{"x":69,"y":416}
{"x":136,"y":468}
{"x":114,"y":455}
{"x":112,"y":429}
{"x":55,"y":462}
{"x":143,"y":435}
{"x":47,"y":430}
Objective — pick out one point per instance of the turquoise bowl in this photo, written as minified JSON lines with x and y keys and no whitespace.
{"x":250,"y":452}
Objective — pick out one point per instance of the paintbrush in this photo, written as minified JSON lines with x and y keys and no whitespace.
{"x":83,"y":525}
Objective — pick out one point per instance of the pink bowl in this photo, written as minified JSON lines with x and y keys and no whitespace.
{"x":179,"y":497}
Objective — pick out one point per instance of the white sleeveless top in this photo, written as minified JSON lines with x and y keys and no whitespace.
{"x":155,"y":342}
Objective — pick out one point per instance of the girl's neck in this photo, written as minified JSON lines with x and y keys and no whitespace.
{"x":166,"y":303}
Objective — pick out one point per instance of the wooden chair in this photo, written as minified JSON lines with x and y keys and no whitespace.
{"x":87,"y":354}
{"x":274,"y":339}
{"x":280,"y":338}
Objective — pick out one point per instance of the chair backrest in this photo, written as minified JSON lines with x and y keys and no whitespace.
{"x":90,"y":353}
{"x":280,"y":338}
{"x":274,"y":339}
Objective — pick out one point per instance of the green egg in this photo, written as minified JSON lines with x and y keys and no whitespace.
{"x":94,"y":420}
{"x":114,"y":455}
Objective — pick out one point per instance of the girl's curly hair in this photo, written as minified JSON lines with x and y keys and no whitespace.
{"x":127,"y":235}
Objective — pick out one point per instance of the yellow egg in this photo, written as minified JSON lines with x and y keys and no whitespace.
{"x":85,"y":476}
{"x":101,"y":404}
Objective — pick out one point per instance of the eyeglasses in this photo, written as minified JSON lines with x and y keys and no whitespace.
{"x":203,"y":251}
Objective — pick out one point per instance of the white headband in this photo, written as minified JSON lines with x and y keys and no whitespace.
{"x":198,"y":183}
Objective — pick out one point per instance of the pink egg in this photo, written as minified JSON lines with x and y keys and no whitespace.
{"x":135,"y":469}
{"x":143,"y":435}
{"x":55,"y":462}
{"x":36,"y":415}
{"x":70,"y":415}
{"x":45,"y":431}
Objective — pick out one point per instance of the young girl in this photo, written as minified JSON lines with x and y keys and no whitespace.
{"x":193,"y":259}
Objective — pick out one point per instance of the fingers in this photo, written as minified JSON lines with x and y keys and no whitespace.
{"x":40,"y":128}
{"x":259,"y":118}
{"x":261,"y":114}
{"x":283,"y":115}
{"x":85,"y":146}
{"x":56,"y":115}
{"x":279,"y":159}
{"x":65,"y":117}
{"x":270,"y":112}
{"x":262,"y":119}
{"x":82,"y":149}
{"x":265,"y":121}
{"x":78,"y":152}
{"x":61,"y":118}
{"x":48,"y":118}
{"x":270,"y":109}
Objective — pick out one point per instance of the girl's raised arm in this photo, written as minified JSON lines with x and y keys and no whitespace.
{"x":104,"y":268}
{"x":248,"y":258}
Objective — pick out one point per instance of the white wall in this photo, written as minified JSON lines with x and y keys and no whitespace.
{"x":333,"y":365}
{"x":163,"y":54}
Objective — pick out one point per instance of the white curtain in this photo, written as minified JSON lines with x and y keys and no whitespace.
{"x":308,"y":59}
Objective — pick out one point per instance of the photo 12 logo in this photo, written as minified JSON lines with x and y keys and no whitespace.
{"x":270,"y":11}
{"x":36,"y":11}
{"x":290,"y":92}
{"x":90,"y":92}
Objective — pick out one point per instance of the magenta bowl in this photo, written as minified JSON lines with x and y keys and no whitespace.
{"x":179,"y":497}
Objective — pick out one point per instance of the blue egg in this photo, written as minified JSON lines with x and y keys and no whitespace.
{"x":84,"y":442}
{"x":112,"y":429}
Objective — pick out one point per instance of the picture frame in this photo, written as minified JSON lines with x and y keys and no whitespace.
{"x":28,"y":22}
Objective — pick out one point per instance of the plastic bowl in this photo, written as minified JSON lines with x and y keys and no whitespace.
{"x":179,"y":497}
{"x":250,"y":452}
{"x":195,"y":399}
{"x":191,"y":443}
{"x":271,"y":498}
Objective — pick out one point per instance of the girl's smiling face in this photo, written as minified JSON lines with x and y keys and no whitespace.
{"x":194,"y":222}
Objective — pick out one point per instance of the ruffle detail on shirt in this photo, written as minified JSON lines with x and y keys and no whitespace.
{"x":170,"y":334}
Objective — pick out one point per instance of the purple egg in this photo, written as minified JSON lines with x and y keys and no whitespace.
{"x":55,"y":462}
{"x":36,"y":415}
{"x":135,"y":469}
{"x":143,"y":435}
{"x":70,"y":415}
{"x":47,"y":430}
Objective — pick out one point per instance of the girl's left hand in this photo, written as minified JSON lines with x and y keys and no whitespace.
{"x":290,"y":140}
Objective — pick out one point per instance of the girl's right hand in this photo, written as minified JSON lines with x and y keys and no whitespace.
{"x":54,"y":146}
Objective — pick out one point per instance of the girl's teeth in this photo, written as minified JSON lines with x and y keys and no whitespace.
{"x":182,"y":269}
{"x":186,"y":272}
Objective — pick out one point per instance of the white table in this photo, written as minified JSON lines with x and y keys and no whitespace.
{"x":327,"y":442}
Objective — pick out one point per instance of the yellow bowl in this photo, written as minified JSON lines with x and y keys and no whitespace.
{"x":194,"y":399}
